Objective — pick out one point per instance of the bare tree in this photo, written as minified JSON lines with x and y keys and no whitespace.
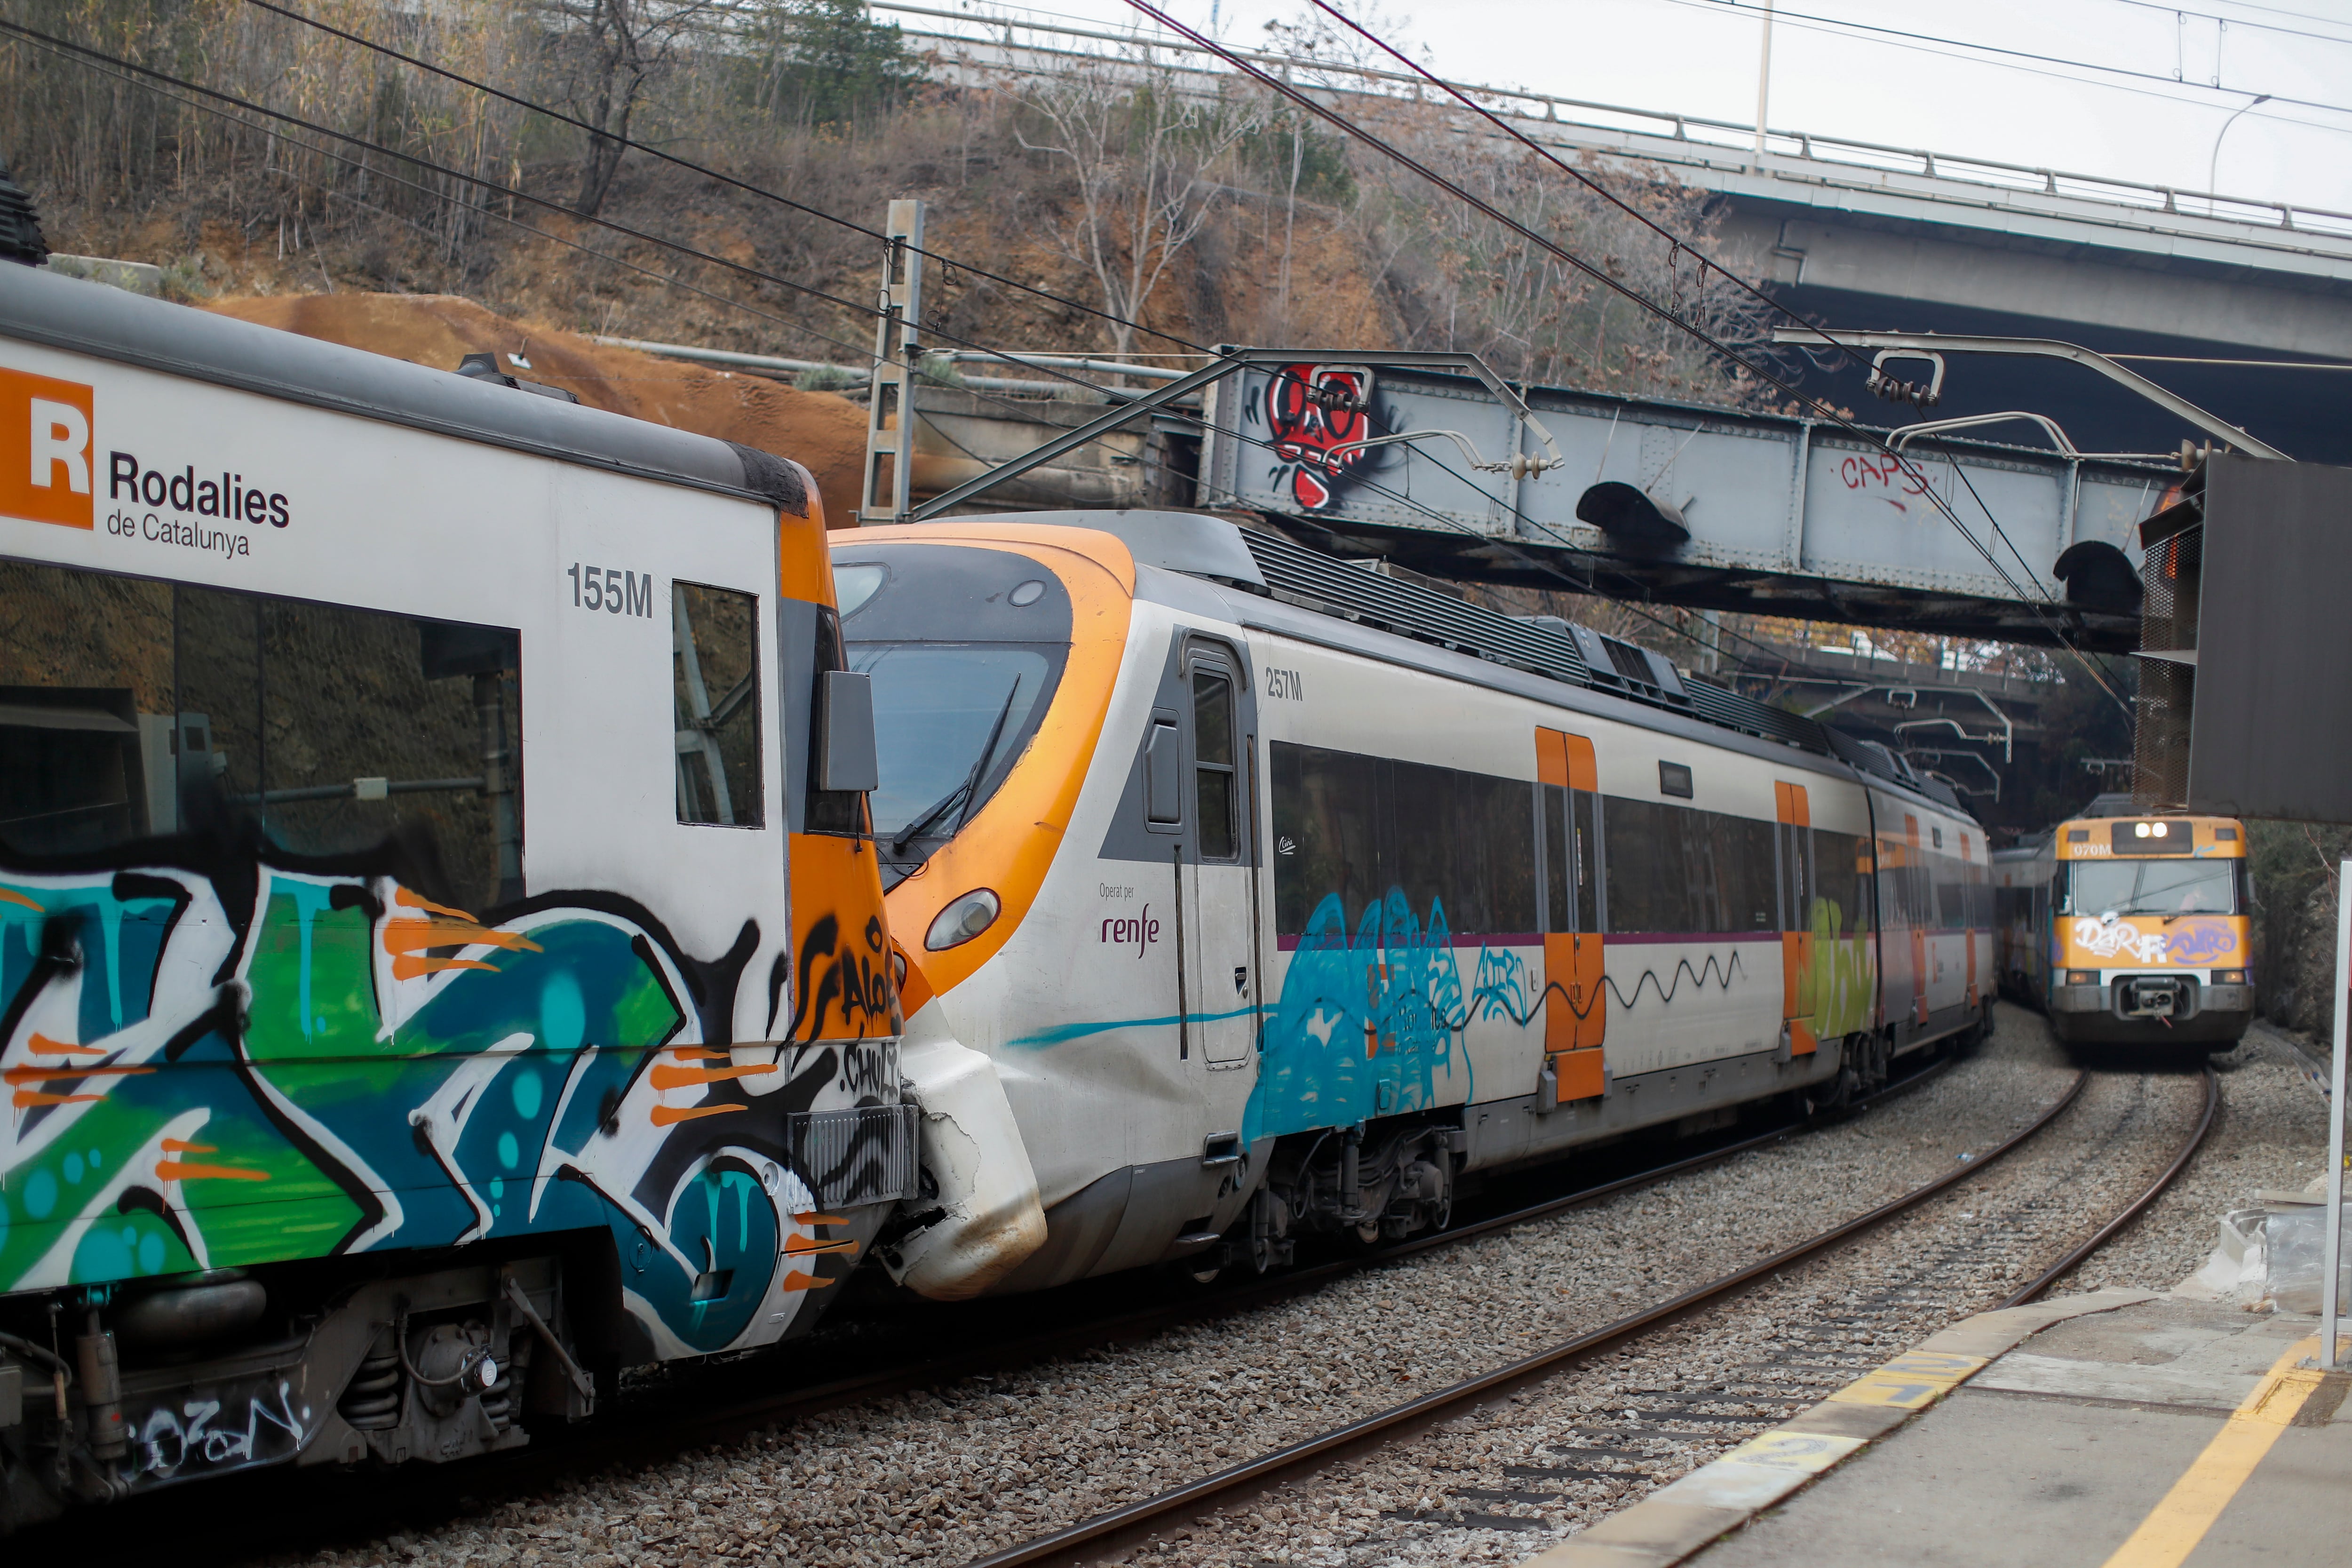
{"x":1139,"y":144}
{"x":616,"y":48}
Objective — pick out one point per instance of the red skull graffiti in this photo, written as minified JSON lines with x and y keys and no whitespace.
{"x":1314,"y":409}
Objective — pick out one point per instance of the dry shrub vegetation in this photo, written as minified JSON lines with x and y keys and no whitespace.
{"x":1208,"y":213}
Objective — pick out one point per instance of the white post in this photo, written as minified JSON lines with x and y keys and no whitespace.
{"x":2331,"y":1252}
{"x":897,"y":344}
{"x":1764,"y":83}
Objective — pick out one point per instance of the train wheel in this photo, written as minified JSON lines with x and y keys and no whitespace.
{"x":1269,"y":1244}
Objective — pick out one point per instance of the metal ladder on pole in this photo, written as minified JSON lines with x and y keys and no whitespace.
{"x":890,"y":406}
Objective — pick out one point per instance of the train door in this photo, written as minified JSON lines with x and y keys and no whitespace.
{"x":1971,"y":914}
{"x":2041,"y":943}
{"x":1917,"y":903}
{"x":1218,"y":908}
{"x":1794,"y":853}
{"x":1576,"y":1000}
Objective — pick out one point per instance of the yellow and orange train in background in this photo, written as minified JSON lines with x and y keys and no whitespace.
{"x":2130,"y":927}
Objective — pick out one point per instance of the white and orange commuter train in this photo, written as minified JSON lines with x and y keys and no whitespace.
{"x":1243,"y":893}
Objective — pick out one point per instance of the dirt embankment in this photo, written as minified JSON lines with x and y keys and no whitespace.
{"x":818,"y":429}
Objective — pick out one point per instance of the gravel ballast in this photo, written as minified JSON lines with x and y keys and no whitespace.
{"x":950,"y":1474}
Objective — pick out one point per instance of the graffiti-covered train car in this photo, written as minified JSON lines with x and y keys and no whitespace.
{"x":1260,"y":893}
{"x":439,"y":963}
{"x":2130,"y":927}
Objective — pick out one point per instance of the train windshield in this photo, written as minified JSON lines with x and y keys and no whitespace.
{"x":2155,"y":887}
{"x":966,"y":648}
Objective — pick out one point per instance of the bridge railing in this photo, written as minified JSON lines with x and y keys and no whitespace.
{"x":994,"y":43}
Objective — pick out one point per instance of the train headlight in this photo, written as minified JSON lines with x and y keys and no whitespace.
{"x":962,"y":920}
{"x":2081,"y":977}
{"x":2229,"y":977}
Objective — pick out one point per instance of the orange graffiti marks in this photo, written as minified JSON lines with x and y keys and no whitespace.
{"x":683,"y":1078}
{"x":42,"y":1045}
{"x":175,"y":1146}
{"x":814,"y":1248}
{"x":27,"y":1099}
{"x":413,"y":936}
{"x":10,"y":895}
{"x":818,"y":1219}
{"x":669,"y":1115}
{"x":51,"y":1075}
{"x":411,"y":968}
{"x":408,"y":900}
{"x":406,"y":939}
{"x":796,"y":1281}
{"x":188,"y":1171}
{"x":700,"y":1054}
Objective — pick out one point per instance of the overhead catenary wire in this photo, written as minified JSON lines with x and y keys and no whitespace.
{"x":1293,"y":63}
{"x":705,"y":171}
{"x":1603,"y":277}
{"x":1835,"y":23}
{"x":124,"y":66}
{"x":1681,"y":245}
{"x":135,"y":72}
{"x":147,"y":75}
{"x":737,"y":183}
{"x":2249,"y":22}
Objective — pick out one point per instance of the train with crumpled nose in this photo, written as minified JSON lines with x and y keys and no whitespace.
{"x":1244,"y":893}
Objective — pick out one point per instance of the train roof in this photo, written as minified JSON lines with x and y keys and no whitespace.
{"x":1264,"y":563}
{"x":110,"y":323}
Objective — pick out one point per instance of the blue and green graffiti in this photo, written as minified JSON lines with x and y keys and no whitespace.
{"x":351,"y":1067}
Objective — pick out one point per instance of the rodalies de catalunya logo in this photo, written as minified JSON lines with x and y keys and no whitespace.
{"x":51,"y":472}
{"x":46,"y":470}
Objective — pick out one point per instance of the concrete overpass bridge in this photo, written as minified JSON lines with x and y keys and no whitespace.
{"x":1865,"y":235}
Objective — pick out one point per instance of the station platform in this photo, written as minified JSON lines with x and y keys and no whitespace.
{"x":2121,"y":1430}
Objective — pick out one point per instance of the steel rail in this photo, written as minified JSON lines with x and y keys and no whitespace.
{"x":2132,"y":1211}
{"x":657,"y":1433}
{"x":1069,"y":1338}
{"x":1252,"y":1474}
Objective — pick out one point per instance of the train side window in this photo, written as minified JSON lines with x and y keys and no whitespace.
{"x":375,"y":726}
{"x":1215,"y":793}
{"x":1585,"y":842}
{"x":1559,"y":853}
{"x":87,"y":714}
{"x":715,"y":680}
{"x":134,"y":710}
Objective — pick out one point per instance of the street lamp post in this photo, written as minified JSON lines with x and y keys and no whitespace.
{"x":2213,"y":165}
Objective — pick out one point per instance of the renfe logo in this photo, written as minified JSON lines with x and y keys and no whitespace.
{"x":1141,"y":931}
{"x":45,"y":450}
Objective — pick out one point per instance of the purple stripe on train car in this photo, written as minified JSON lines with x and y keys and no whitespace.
{"x":1615,"y":938}
{"x":1535,"y":939}
{"x":1458,"y":938}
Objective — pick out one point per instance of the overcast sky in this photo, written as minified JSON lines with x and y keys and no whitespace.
{"x":1700,"y":57}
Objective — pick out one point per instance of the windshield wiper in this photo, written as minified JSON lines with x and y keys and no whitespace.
{"x":987,"y":755}
{"x":963,"y":790}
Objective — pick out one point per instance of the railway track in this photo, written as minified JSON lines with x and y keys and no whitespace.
{"x":1109,"y":1535}
{"x":305,"y":1508}
{"x":731,"y":1419}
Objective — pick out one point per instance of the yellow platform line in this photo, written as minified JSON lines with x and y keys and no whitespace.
{"x":2169,"y":1533}
{"x":1679,"y":1519}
